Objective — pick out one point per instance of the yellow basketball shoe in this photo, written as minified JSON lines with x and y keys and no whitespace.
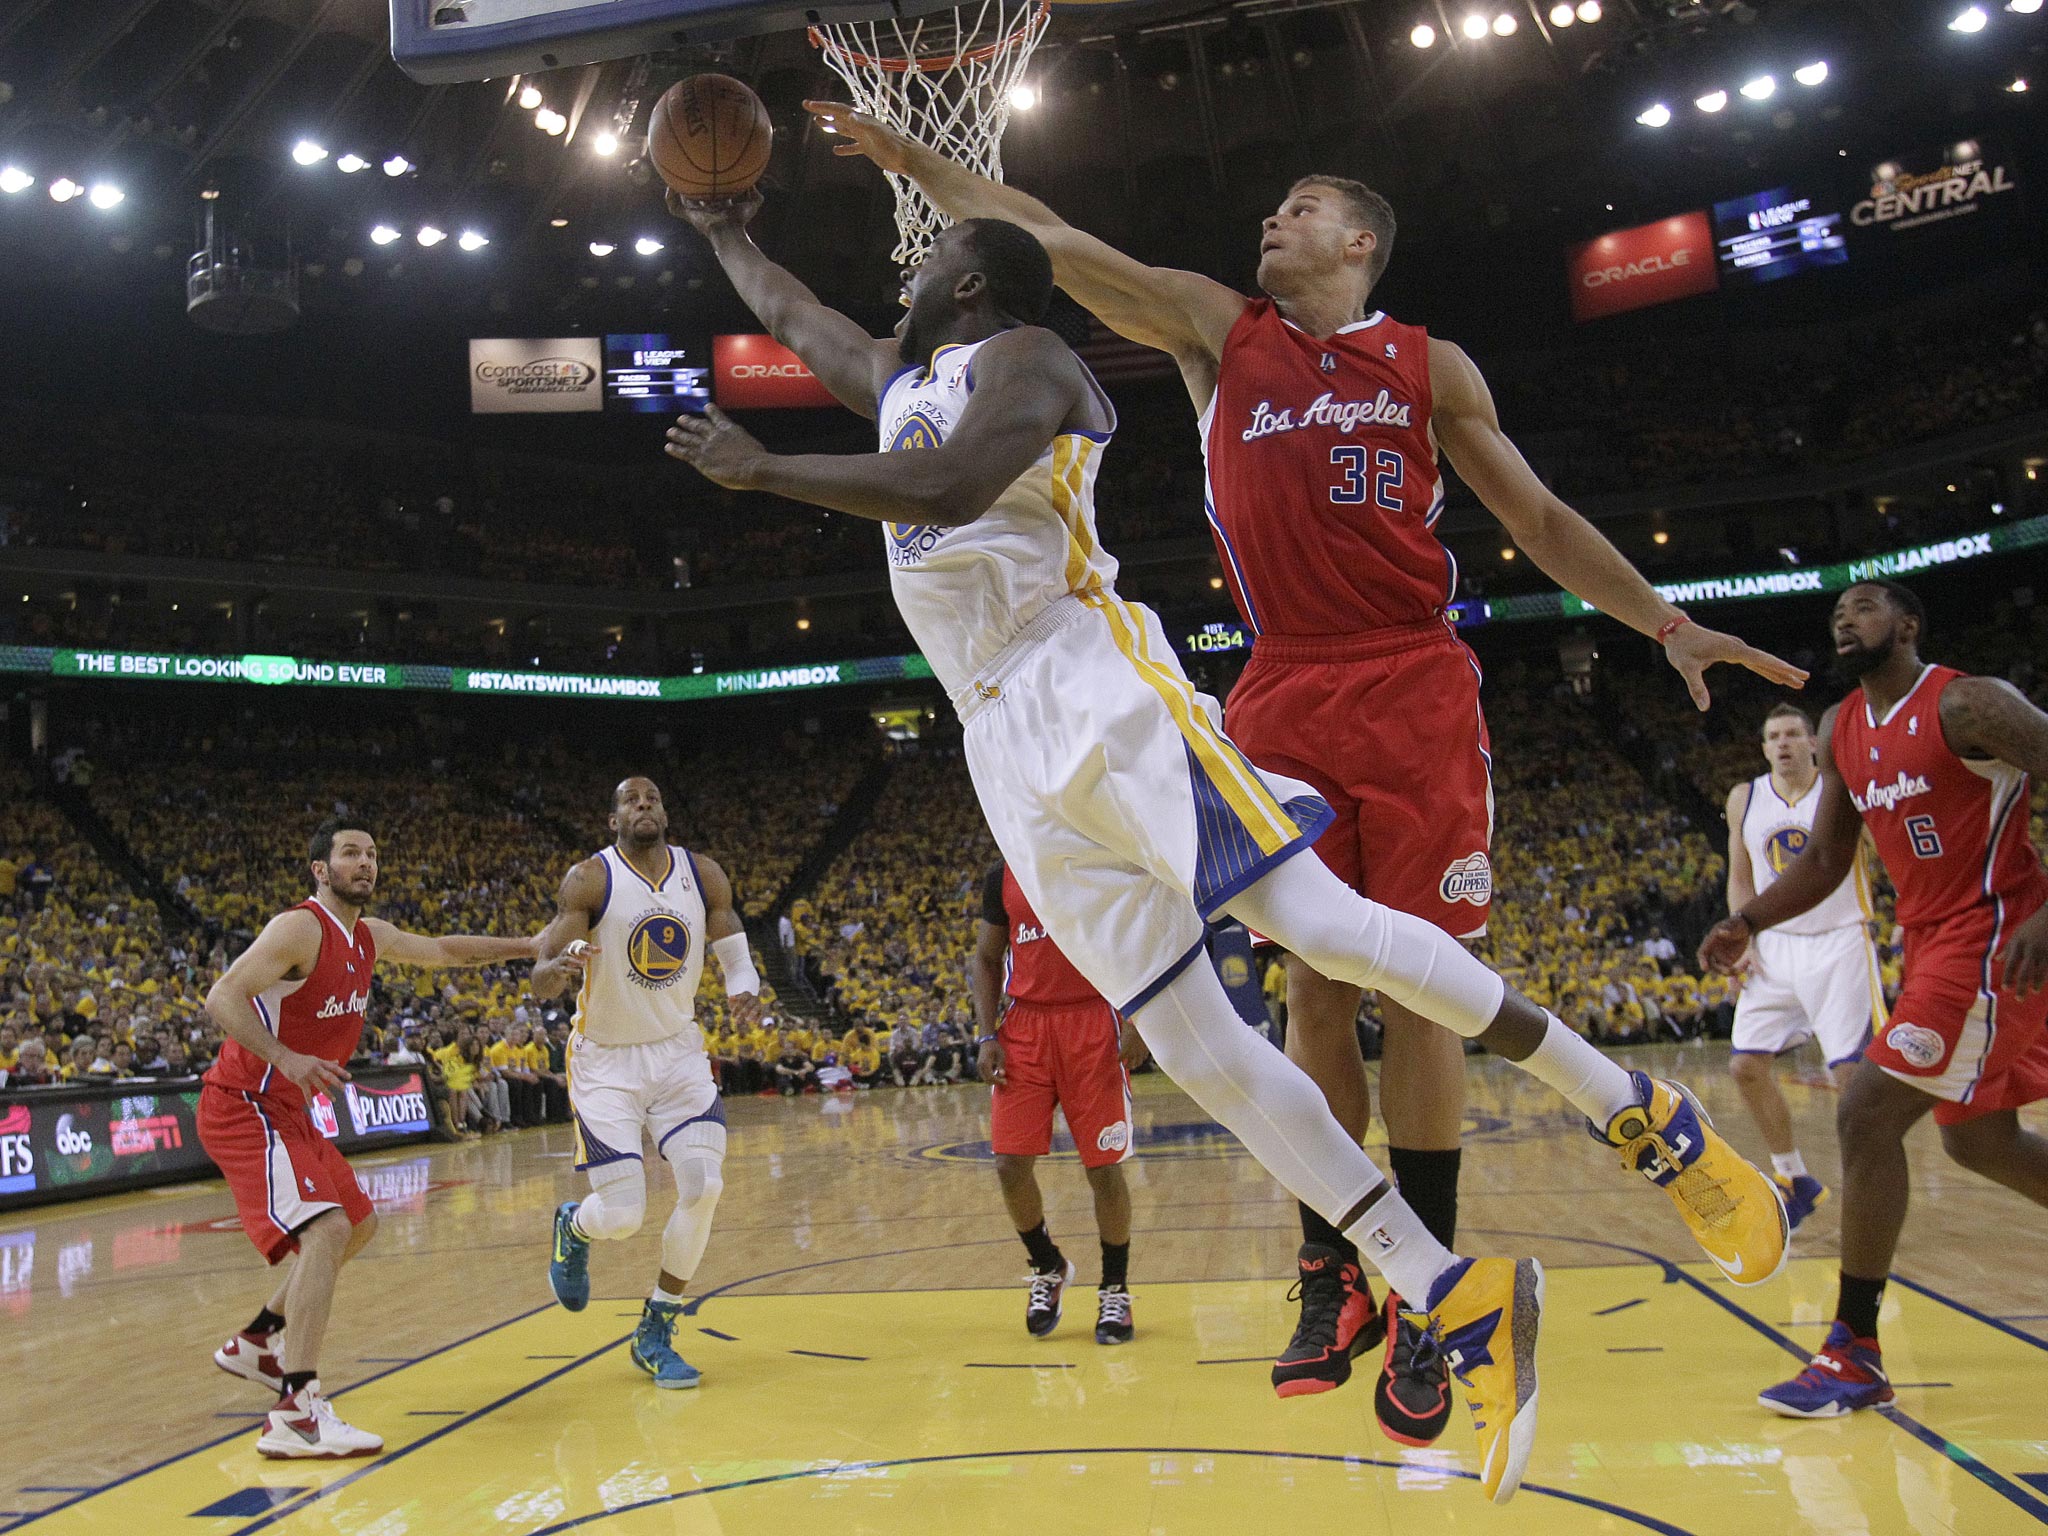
{"x":1734,"y":1210}
{"x":1483,"y":1316}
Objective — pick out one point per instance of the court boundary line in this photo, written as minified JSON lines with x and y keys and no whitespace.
{"x":2001,"y":1324}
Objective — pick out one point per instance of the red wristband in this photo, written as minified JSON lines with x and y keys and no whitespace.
{"x":1671,"y":627}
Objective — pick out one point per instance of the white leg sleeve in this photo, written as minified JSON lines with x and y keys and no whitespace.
{"x":1261,"y":1097}
{"x":617,"y":1202}
{"x":696,"y":1154}
{"x":1307,"y":910}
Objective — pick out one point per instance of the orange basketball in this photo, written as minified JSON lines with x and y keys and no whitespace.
{"x":709,"y":137}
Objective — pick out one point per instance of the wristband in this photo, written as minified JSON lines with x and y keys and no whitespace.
{"x":1671,"y":627}
{"x":735,"y":964}
{"x":981,"y":1040}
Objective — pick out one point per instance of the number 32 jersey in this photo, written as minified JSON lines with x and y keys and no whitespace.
{"x":1323,"y":486}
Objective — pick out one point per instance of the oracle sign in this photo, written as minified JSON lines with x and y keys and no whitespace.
{"x":758,"y":372}
{"x":1650,"y":264}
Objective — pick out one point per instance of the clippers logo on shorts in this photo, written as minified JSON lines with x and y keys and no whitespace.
{"x":911,"y":542}
{"x":1468,"y":879}
{"x":657,"y":950}
{"x":1114,"y":1138}
{"x":1783,"y":846}
{"x":1917,"y":1045}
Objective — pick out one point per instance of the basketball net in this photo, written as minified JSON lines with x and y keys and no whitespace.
{"x":943,"y":80}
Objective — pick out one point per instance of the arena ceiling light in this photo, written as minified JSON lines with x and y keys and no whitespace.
{"x":430,"y":237}
{"x":470,"y":240}
{"x":550,"y":122}
{"x":606,"y":143}
{"x":383,"y":234}
{"x":1424,"y":35}
{"x":1561,"y":14}
{"x":602,"y":248}
{"x":530,"y":98}
{"x":2023,"y":7}
{"x":1762,"y":88}
{"x":1023,"y":96}
{"x":1656,"y":115}
{"x":1475,"y":26}
{"x":309,"y":152}
{"x":350,"y":163}
{"x":1589,"y":11}
{"x":1970,"y":18}
{"x":647,"y":245}
{"x":1713,"y":101}
{"x":397,"y":165}
{"x":105,"y":195}
{"x":14,"y":179}
{"x":2018,"y":86}
{"x":1811,"y":74}
{"x":1504,"y":24}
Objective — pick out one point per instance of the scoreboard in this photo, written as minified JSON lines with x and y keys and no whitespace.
{"x":653,"y":373}
{"x":1769,"y":235}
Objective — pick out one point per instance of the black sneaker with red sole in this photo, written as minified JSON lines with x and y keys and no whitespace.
{"x":1412,"y":1397}
{"x":1339,"y":1322}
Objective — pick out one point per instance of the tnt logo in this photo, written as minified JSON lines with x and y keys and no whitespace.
{"x":1114,"y":1138}
{"x":1468,"y":879}
{"x":1918,"y":1045}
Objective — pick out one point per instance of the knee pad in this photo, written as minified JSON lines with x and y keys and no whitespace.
{"x":696,"y":1155}
{"x":617,"y":1203}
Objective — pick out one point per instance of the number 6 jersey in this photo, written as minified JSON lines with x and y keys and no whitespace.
{"x":641,"y":985}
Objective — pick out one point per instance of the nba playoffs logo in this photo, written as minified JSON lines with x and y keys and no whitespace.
{"x":1917,"y":1045}
{"x":1114,"y":1138}
{"x":1468,"y":879}
{"x":658,"y":949}
{"x":324,"y":1118}
{"x":1783,"y":846}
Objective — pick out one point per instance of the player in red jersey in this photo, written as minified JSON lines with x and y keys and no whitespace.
{"x":1321,"y":421}
{"x":293,"y":1006}
{"x":1060,"y":1045}
{"x":1936,"y":764}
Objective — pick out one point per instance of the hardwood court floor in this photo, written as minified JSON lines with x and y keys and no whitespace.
{"x":866,"y":1370}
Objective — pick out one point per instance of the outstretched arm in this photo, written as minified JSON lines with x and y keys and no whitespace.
{"x":1986,"y":717}
{"x":1026,"y":384}
{"x":1567,"y":548}
{"x":1183,"y":313}
{"x":565,"y":945}
{"x":845,"y":358}
{"x":449,"y":950}
{"x":727,"y":936}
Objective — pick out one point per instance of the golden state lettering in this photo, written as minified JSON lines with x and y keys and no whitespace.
{"x":1383,"y":410}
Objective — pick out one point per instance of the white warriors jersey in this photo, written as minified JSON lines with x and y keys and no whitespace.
{"x":1775,"y":830}
{"x":641,"y":985}
{"x":967,"y":592}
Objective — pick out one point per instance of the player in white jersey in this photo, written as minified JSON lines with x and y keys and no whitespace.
{"x":1814,"y":976}
{"x":1128,"y":816}
{"x":632,"y":921}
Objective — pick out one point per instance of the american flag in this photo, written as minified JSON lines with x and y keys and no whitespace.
{"x":1114,"y":360}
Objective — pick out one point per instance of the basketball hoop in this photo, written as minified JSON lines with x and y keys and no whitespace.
{"x":943,"y":80}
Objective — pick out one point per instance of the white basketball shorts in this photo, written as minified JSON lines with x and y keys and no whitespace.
{"x":618,"y":1091}
{"x":1128,"y":816}
{"x":1820,"y":984}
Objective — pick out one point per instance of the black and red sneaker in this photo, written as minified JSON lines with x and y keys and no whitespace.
{"x":1339,"y":1321}
{"x":1413,"y":1394}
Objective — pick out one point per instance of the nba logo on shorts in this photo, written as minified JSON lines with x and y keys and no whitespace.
{"x":1919,"y":1046}
{"x":1468,"y":879}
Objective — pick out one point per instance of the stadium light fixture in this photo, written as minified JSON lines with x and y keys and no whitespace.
{"x":430,"y":236}
{"x":350,"y":163}
{"x":1970,"y":18}
{"x":530,"y":98}
{"x":63,"y":189}
{"x":602,"y":248}
{"x":1507,"y":552}
{"x":606,"y":143}
{"x":803,"y":623}
{"x":1762,"y":88}
{"x":1811,"y":74}
{"x":1023,"y":96}
{"x":397,"y":165}
{"x":2023,"y":7}
{"x":1713,"y":101}
{"x":1475,"y":26}
{"x":1589,"y":11}
{"x":383,"y":234}
{"x":309,"y":152}
{"x":14,"y":179}
{"x":647,"y":245}
{"x":558,"y":222}
{"x":1215,"y":583}
{"x":105,"y":195}
{"x":1561,"y":14}
{"x":2018,"y":86}
{"x":1424,"y":35}
{"x":1504,"y":24}
{"x":1660,"y":537}
{"x":1656,"y":115}
{"x":470,"y":240}
{"x":550,"y":122}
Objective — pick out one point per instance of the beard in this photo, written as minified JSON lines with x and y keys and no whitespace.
{"x":1853,"y":666}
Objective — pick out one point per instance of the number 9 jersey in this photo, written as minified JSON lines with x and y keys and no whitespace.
{"x":1323,"y":486}
{"x":641,"y":985}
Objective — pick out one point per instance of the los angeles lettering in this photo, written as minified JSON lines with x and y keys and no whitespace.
{"x":1887,"y":796}
{"x":1383,"y":410}
{"x":342,"y":1007}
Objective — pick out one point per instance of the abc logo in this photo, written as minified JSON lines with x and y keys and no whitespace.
{"x":1783,"y":846}
{"x":71,"y":1141}
{"x":658,"y":949}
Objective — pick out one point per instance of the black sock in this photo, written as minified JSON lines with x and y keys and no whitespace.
{"x":267,"y":1322}
{"x":1856,"y":1304}
{"x":1116,"y":1266}
{"x":1428,"y":1181}
{"x":1045,"y":1253}
{"x":1316,"y":1229}
{"x":293,"y":1380}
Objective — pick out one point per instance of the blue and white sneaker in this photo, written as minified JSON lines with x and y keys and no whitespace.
{"x":654,"y":1349}
{"x":569,"y":1262}
{"x":1847,"y":1374}
{"x":1804,"y":1194}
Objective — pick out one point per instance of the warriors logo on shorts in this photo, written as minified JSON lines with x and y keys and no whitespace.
{"x":1468,"y":879}
{"x":657,"y":950}
{"x":1921,"y":1047}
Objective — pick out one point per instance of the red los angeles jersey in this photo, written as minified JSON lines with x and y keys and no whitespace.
{"x":1323,"y":484}
{"x":321,"y":1015}
{"x":1952,"y":831}
{"x":1035,"y":970}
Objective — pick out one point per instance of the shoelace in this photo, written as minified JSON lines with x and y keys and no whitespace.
{"x":1705,"y":1196}
{"x":1116,"y":1307}
{"x":1044,"y":1287}
{"x":1322,"y":1302}
{"x":1417,"y":1351}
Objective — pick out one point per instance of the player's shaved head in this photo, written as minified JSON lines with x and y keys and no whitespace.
{"x":633,"y":784}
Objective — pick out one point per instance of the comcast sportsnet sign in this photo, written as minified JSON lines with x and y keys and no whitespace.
{"x":751,"y":373}
{"x":1649,"y":264}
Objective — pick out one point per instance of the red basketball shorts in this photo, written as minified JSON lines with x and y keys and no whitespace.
{"x":1954,"y":1032}
{"x":1064,"y":1055}
{"x":1387,"y":727}
{"x":280,"y":1169}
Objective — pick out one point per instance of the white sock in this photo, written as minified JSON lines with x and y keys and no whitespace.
{"x":666,"y":1297}
{"x":1597,"y":1087}
{"x":1392,"y":1238}
{"x":1790,"y":1164}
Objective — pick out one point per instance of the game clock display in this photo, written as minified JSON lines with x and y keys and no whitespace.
{"x":1774,"y":234}
{"x":654,"y":374}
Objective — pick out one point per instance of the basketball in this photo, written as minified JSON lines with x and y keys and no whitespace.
{"x":709,"y":137}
